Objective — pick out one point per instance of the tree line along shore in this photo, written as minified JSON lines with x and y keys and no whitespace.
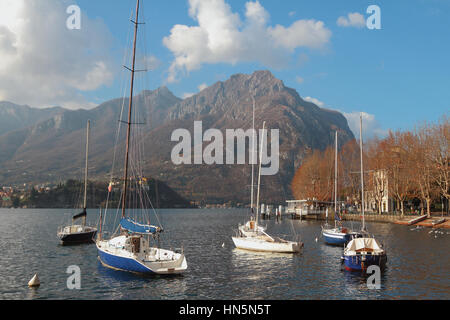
{"x":406,"y":172}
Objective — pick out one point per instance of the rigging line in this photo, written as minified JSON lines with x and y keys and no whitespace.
{"x":118,"y":130}
{"x":123,"y":95}
{"x":130,"y":106}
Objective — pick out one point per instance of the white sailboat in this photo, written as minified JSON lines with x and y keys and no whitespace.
{"x":252,"y":228}
{"x":258,"y":239}
{"x":134,"y":247}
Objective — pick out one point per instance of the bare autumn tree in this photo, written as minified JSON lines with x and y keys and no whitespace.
{"x":400,"y":166}
{"x":409,"y":164}
{"x":440,"y":156}
{"x":314,"y":178}
{"x":425,"y":172}
{"x":350,"y":181}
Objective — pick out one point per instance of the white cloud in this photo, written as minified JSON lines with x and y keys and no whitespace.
{"x":317,"y":102}
{"x":222,"y":37}
{"x":352,"y":20}
{"x":188,"y":95}
{"x":42,"y":62}
{"x":371,"y":126}
{"x":202,"y":87}
{"x":299,"y":79}
{"x":291,"y":13}
{"x":151,"y":63}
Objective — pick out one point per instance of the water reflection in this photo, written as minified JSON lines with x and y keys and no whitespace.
{"x":418,"y":263}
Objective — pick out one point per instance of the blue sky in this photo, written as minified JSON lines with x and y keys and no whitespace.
{"x":398,"y":75}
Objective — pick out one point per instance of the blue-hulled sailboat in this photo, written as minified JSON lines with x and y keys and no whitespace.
{"x":132,"y":247}
{"x":362,"y":252}
{"x":337,"y":235}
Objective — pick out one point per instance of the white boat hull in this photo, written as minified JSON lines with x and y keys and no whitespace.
{"x":116,"y":255}
{"x":264,"y":245}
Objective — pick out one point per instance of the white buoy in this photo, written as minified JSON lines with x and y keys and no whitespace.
{"x":223,"y":245}
{"x":34,"y":282}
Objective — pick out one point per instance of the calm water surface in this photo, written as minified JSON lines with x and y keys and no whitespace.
{"x":418,"y":262}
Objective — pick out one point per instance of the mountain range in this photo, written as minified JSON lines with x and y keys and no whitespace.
{"x":47,"y":145}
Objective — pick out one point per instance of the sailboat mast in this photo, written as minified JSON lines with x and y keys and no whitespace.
{"x":362,"y":172}
{"x":130,"y":106}
{"x":86,"y":170}
{"x":259,"y":175}
{"x":253,"y":154}
{"x":335,"y":174}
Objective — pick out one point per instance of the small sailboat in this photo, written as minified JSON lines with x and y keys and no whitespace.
{"x":81,"y":233}
{"x":251,"y":228}
{"x":258,"y":239}
{"x":362,"y":252}
{"x":131,"y":247}
{"x":337,"y":235}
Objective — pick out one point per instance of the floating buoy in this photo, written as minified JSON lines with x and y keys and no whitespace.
{"x":223,"y":245}
{"x":34,"y":282}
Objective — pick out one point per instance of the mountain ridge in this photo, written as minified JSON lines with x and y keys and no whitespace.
{"x":52,"y":149}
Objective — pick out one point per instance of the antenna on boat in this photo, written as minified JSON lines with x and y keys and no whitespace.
{"x":86,"y":171}
{"x":130,"y":106}
{"x":259,"y":176}
{"x":362,"y":172}
{"x":335,"y":178}
{"x":253,"y":151}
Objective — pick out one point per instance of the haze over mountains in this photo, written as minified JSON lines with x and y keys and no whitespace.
{"x":47,"y":145}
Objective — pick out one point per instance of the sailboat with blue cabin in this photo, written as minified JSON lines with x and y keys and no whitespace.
{"x":365,"y":251}
{"x":339,"y":235}
{"x":132,"y":247}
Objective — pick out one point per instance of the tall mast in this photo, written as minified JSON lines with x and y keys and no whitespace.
{"x":130,"y":106}
{"x":362,"y":172}
{"x":259,"y":175}
{"x":335,"y":175}
{"x":253,"y":154}
{"x":86,"y":170}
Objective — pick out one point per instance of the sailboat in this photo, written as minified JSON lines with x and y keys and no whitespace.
{"x":251,"y":228}
{"x":364,"y":251}
{"x":130,"y":248}
{"x":338,"y":235}
{"x":74,"y":234}
{"x":260,"y":240}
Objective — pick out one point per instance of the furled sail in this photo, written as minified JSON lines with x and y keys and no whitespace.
{"x":134,"y":227}
{"x":337,"y":217}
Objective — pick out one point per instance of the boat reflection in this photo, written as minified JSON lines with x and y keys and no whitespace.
{"x":174,"y":286}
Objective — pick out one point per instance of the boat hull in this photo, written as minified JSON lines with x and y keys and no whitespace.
{"x":253,"y":244}
{"x":362,"y":262}
{"x":335,"y":238}
{"x":77,"y":238}
{"x":122,"y":260}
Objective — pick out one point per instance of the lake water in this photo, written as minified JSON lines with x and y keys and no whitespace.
{"x":418,"y":262}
